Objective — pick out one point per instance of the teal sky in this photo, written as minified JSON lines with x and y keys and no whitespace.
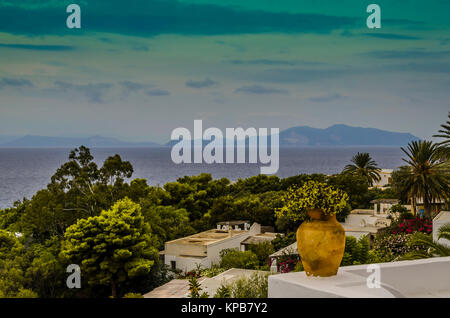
{"x":138,"y":69}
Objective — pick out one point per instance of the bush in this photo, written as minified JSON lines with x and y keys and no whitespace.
{"x":280,"y":242}
{"x":231,"y":258}
{"x":392,"y":246}
{"x":409,"y":226}
{"x":133,"y":295}
{"x":356,"y":251}
{"x":255,"y":286}
{"x":213,"y":271}
{"x":262,"y":252}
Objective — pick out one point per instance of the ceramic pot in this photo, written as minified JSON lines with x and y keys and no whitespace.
{"x":321,"y":244}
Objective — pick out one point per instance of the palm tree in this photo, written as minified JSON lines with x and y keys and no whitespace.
{"x":445,"y":133}
{"x":444,"y":146}
{"x":427,"y":175}
{"x":364,"y":166}
{"x":421,"y":240}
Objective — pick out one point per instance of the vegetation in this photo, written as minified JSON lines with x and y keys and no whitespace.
{"x":312,"y":195}
{"x":112,"y":247}
{"x":424,"y":247}
{"x":255,"y":286}
{"x":96,"y":216}
{"x":195,"y":290}
{"x":364,"y":166}
{"x":356,"y":251}
{"x":426,"y":176}
{"x":232,"y":258}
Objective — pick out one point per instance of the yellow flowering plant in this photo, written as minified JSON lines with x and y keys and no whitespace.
{"x":312,"y":195}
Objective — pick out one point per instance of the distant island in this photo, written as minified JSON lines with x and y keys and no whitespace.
{"x":301,"y":136}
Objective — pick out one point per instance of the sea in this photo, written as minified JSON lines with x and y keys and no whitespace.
{"x":23,"y":171}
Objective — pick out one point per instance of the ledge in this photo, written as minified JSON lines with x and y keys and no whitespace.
{"x":418,"y":278}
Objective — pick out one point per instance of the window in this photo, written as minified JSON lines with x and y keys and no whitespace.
{"x":173,"y":264}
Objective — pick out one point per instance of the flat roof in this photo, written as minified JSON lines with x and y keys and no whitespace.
{"x":259,"y":238}
{"x":232,"y":222}
{"x":208,"y":237}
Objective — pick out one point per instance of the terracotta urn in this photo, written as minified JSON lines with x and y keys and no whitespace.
{"x":321,"y":244}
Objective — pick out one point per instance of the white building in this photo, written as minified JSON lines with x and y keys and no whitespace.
{"x":385,"y":178}
{"x":203,"y":249}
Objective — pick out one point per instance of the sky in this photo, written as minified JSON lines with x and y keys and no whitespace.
{"x":138,"y":69}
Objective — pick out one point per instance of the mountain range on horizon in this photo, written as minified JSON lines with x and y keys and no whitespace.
{"x":301,"y":136}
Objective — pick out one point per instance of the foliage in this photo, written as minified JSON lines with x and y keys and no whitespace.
{"x":133,"y":295}
{"x":444,"y":146}
{"x":280,"y":241}
{"x":423,"y":245}
{"x":364,"y":166}
{"x":298,"y":267}
{"x":232,"y":258}
{"x":356,"y":251}
{"x":354,"y":185}
{"x":117,"y":242}
{"x":195,"y":289}
{"x":262,"y":251}
{"x":427,"y":175}
{"x":312,"y":195}
{"x":411,"y":225}
{"x":393,"y":246}
{"x":214,"y":270}
{"x":255,"y":286}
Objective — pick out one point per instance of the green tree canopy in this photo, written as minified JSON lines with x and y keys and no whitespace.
{"x":113,"y":246}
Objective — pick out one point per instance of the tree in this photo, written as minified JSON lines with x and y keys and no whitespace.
{"x":444,"y":133}
{"x":112,"y":247}
{"x":232,"y":258}
{"x":426,"y":247}
{"x":444,"y":146}
{"x":426,"y":176}
{"x":364,"y":166}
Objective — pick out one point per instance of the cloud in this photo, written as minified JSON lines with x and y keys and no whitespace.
{"x":157,"y":92}
{"x":433,"y":67}
{"x":154,"y":17}
{"x":296,"y":75}
{"x":261,"y":62}
{"x":57,"y":48}
{"x":326,"y":98}
{"x":408,"y":54}
{"x":392,"y":36}
{"x":93,"y":92}
{"x":15,"y":82}
{"x":260,"y":90}
{"x":206,"y":83}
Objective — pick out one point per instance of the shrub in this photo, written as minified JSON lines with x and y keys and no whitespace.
{"x":312,"y":195}
{"x":280,"y":242}
{"x":393,"y":246}
{"x":195,"y":289}
{"x":409,"y":226}
{"x":213,"y":271}
{"x":262,"y":252}
{"x":356,"y":251}
{"x":232,"y":258}
{"x":255,"y":286}
{"x":133,"y":295}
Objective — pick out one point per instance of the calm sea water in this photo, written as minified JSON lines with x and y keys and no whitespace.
{"x":24,"y":171}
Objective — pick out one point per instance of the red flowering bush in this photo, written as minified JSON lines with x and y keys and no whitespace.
{"x":409,"y":226}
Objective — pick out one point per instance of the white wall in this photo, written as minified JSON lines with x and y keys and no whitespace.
{"x":442,"y":218}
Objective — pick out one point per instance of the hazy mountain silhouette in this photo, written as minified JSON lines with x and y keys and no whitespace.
{"x":336,"y":135}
